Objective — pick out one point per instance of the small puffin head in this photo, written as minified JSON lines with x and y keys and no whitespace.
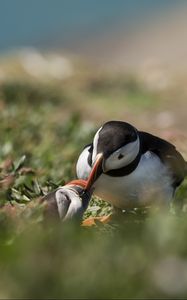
{"x":67,"y":202}
{"x":115,"y":145}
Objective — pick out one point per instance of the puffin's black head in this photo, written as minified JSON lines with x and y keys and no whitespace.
{"x":114,"y":135}
{"x":115,"y":145}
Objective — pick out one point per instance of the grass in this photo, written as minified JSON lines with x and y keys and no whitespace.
{"x":142,"y":255}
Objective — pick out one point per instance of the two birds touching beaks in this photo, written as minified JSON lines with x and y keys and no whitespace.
{"x":124,"y":166}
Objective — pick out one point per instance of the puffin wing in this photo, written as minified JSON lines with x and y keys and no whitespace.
{"x":84,"y":162}
{"x":167,"y":153}
{"x":50,"y":208}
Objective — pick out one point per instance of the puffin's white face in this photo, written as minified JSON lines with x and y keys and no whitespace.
{"x":122,"y":157}
{"x":68,"y":202}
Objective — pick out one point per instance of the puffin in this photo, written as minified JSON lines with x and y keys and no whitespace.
{"x":131,"y":168}
{"x":67,"y":202}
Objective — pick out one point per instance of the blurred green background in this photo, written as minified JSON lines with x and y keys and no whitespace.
{"x":66,"y":67}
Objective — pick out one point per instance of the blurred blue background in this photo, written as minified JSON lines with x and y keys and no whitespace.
{"x":65,"y":23}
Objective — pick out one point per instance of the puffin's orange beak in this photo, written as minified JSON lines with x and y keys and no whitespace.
{"x":94,"y":172}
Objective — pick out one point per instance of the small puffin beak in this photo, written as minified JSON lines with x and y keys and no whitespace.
{"x":79,"y":182}
{"x":95,"y":172}
{"x":85,"y":194}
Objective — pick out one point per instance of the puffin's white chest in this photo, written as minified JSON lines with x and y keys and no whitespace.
{"x":149,"y":182}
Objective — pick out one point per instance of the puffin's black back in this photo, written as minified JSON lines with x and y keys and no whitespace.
{"x":167,"y":153}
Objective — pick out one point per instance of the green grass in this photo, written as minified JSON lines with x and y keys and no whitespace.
{"x":142,"y":254}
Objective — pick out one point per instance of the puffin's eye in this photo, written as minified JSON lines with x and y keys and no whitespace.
{"x":120,"y":156}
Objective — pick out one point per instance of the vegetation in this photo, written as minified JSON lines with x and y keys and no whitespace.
{"x":142,"y":254}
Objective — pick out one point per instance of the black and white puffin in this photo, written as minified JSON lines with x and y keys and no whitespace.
{"x":131,"y":168}
{"x":67,"y":202}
